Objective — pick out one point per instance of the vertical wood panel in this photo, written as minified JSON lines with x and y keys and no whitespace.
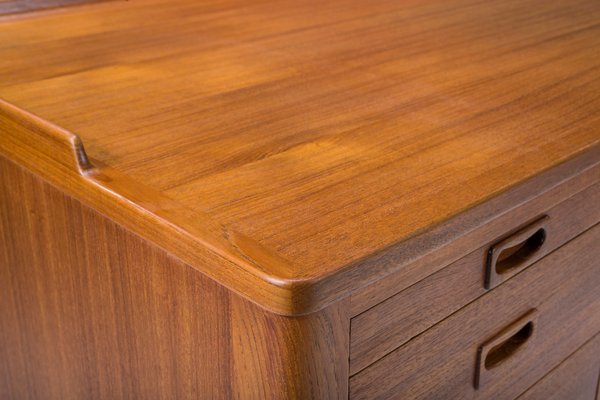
{"x":280,"y":346}
{"x":90,"y":310}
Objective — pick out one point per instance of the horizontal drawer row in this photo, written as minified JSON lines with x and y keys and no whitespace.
{"x":393,"y":322}
{"x":500,"y":344}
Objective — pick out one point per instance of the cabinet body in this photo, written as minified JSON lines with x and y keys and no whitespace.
{"x":268,"y":200}
{"x":92,"y":310}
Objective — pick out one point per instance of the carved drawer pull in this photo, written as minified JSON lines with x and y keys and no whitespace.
{"x":503,"y":347}
{"x":514,"y":253}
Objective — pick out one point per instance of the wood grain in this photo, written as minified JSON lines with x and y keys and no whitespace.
{"x":598,"y":388}
{"x":90,"y":310}
{"x":576,"y":378}
{"x":255,"y":174}
{"x":194,"y":237}
{"x":440,"y":363}
{"x":393,"y":322}
{"x":418,"y":258}
{"x":326,"y":137}
{"x":23,"y":6}
{"x":278,"y":357}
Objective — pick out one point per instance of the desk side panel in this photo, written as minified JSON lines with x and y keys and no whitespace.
{"x":91,"y":310}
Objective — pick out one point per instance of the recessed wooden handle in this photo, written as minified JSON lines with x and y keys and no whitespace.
{"x":497,"y":353}
{"x":514,"y":253}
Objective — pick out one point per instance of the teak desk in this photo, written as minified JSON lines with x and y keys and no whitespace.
{"x":300,"y":200}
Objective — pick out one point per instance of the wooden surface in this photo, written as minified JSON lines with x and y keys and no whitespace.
{"x":393,"y":322}
{"x":90,"y":310}
{"x":502,"y":214}
{"x":8,"y":7}
{"x":576,"y":378}
{"x":311,"y":137}
{"x":441,"y":362}
{"x":315,"y":158}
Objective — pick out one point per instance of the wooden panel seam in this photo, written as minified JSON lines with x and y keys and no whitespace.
{"x":590,"y":342}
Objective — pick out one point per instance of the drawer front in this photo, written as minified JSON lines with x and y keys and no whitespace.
{"x":576,"y":378}
{"x":533,"y":321}
{"x":393,"y":322}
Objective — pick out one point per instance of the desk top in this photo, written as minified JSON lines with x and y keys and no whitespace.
{"x":315,"y":135}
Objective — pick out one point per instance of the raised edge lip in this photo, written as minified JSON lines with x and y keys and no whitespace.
{"x":296,"y":294}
